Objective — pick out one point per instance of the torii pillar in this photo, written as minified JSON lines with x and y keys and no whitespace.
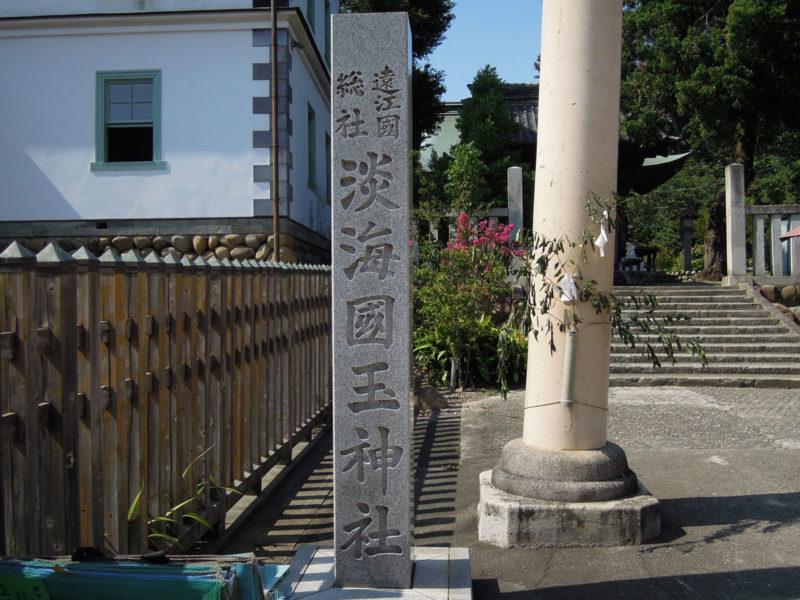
{"x":563,"y":483}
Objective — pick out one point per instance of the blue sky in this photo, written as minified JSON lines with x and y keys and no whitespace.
{"x":505,"y":34}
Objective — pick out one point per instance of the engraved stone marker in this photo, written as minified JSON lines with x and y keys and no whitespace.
{"x":371,"y":121}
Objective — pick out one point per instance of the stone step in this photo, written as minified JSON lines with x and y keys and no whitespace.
{"x":724,"y":368}
{"x":676,"y":290}
{"x":745,"y":344}
{"x":704,"y":379}
{"x":683,"y":357}
{"x":664,"y":300}
{"x":698,"y":313}
{"x":783,"y":338}
{"x":692,"y":330}
{"x":745,"y":347}
{"x":710,"y":309}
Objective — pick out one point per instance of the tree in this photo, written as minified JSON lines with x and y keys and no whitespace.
{"x":719,"y":73}
{"x":466,"y":179}
{"x":485,"y":121}
{"x":429,"y":20}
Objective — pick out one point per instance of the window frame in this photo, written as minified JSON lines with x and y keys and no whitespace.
{"x":328,"y":193}
{"x":311,"y":14}
{"x":101,"y":146}
{"x":311,"y":140}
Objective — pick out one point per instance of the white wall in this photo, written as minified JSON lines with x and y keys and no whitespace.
{"x":28,"y":8}
{"x":47,"y":126}
{"x":309,"y":205}
{"x":47,"y":129}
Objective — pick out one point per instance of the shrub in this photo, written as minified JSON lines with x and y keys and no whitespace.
{"x":462,"y":305}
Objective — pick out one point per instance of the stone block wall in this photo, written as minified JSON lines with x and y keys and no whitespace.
{"x":232,"y":238}
{"x":785,"y":297}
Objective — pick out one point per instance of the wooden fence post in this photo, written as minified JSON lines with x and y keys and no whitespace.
{"x":55,"y":321}
{"x":133,"y":409}
{"x":175,"y":382}
{"x":218,"y":382}
{"x":20,"y":492}
{"x":89,"y":414}
{"x":154,"y":392}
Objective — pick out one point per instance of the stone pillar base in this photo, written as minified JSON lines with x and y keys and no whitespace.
{"x":510,"y":521}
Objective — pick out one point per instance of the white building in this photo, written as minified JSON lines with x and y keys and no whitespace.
{"x":133,"y":113}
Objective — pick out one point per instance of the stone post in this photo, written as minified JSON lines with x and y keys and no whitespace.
{"x":759,"y":262}
{"x":562,"y":483}
{"x":373,"y":457}
{"x":776,"y":245}
{"x":794,"y":246}
{"x":515,"y":199}
{"x":736,"y":237}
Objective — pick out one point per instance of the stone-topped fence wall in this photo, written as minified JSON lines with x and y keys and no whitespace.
{"x":232,"y":238}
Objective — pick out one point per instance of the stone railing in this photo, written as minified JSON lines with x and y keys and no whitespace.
{"x":768,"y":249}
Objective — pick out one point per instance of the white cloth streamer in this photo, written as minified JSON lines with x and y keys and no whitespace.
{"x":569,"y":291}
{"x":602,"y":239}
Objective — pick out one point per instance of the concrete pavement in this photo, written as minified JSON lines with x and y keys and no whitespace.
{"x":725,"y":463}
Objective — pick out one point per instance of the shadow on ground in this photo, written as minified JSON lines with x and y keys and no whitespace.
{"x":746,"y":584}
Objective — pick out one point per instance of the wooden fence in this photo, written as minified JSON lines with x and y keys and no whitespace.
{"x":118,"y":373}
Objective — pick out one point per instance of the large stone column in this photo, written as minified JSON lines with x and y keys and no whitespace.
{"x":559,"y":482}
{"x":576,"y":154}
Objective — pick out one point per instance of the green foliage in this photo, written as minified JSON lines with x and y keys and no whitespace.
{"x":454,"y":309}
{"x":721,"y":75}
{"x":162,"y":530}
{"x":653,"y":217}
{"x":466,"y":179}
{"x":461,"y":305}
{"x":485,"y":121}
{"x":429,"y":19}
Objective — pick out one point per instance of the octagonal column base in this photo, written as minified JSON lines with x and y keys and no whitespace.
{"x":511,"y":521}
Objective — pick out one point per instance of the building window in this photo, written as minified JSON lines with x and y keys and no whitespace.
{"x":311,"y":14}
{"x":312,"y":148}
{"x":128,"y":121}
{"x":328,"y":194}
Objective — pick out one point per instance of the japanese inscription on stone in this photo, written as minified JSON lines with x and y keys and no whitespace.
{"x":370,"y":125}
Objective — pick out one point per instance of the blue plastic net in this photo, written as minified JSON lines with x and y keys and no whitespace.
{"x":105,"y":580}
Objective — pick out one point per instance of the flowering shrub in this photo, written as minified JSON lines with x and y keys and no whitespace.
{"x":486,"y":235}
{"x":463,"y":302}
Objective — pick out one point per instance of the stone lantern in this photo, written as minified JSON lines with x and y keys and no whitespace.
{"x":687,"y":218}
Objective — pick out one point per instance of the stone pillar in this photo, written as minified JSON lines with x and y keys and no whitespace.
{"x":794,"y":246}
{"x":515,"y":199}
{"x":775,"y":244}
{"x":373,"y":456}
{"x":759,"y":263}
{"x":563,"y":483}
{"x":736,"y":237}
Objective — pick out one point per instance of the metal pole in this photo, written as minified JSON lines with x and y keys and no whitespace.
{"x":273,"y":89}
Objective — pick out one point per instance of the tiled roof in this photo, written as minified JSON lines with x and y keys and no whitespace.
{"x":523,"y":105}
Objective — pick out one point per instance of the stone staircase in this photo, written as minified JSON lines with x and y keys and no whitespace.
{"x":746,"y":344}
